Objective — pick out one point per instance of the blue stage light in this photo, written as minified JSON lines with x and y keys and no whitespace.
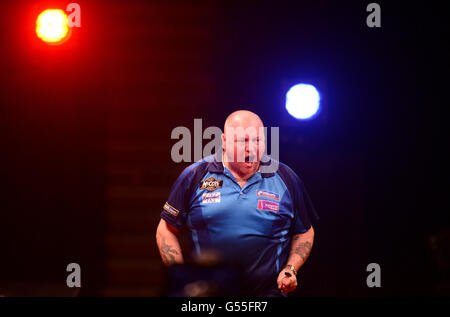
{"x":303,"y":101}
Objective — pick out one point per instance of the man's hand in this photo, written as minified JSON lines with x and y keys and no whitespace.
{"x":287,"y":281}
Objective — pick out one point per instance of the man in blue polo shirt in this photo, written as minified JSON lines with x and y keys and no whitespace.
{"x":251,"y":213}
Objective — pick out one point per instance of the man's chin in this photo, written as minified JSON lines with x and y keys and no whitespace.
{"x":249,"y":166}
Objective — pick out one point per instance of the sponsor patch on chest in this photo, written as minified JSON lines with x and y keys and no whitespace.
{"x":268,"y":205}
{"x":211,"y":184}
{"x":208,"y":198}
{"x":267,"y":194}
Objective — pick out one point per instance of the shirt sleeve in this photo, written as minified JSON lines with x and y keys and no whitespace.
{"x":177,"y":205}
{"x":304,"y":211}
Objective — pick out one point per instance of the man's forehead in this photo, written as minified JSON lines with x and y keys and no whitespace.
{"x":244,"y":123}
{"x":244,"y":131}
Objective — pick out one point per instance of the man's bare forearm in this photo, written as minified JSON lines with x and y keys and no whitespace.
{"x":301,"y":246}
{"x":168,"y":245}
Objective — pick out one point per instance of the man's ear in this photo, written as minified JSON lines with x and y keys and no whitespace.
{"x":224,"y":141}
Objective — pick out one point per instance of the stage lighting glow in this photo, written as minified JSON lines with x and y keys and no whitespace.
{"x":52,"y":26}
{"x":303,"y":101}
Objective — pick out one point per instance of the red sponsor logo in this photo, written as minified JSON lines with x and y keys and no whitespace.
{"x":268,"y":205}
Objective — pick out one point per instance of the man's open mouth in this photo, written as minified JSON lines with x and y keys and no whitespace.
{"x":250,"y":159}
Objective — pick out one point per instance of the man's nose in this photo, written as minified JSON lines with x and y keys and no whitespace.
{"x":251,"y":146}
{"x":247,"y":147}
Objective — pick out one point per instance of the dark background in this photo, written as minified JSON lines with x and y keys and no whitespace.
{"x":85,"y":135}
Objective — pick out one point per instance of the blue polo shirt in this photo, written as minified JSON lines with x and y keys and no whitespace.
{"x":249,"y":227}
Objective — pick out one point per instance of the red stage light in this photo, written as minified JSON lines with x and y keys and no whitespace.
{"x":52,"y":26}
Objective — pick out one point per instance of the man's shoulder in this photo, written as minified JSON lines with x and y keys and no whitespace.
{"x":281,"y":168}
{"x":285,"y":168}
{"x":190,"y":175}
{"x":287,"y":173}
{"x":197,"y":167}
